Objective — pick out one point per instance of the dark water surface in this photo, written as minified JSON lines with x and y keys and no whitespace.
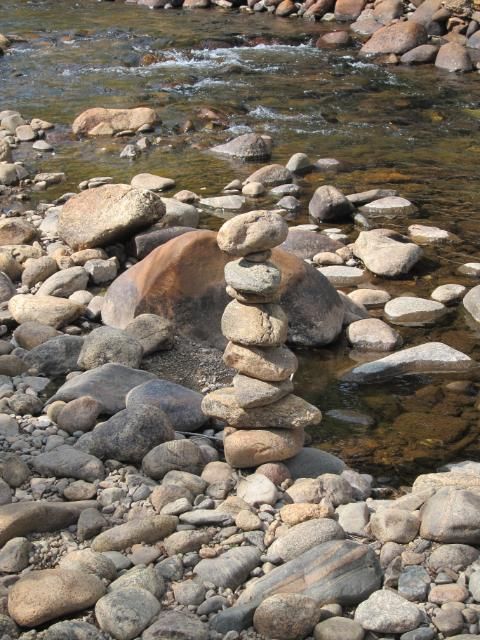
{"x":415,"y":130}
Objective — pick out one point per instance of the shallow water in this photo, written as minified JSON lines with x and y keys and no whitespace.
{"x":415,"y":130}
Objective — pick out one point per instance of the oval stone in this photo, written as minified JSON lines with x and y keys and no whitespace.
{"x":251,"y":232}
{"x":250,"y":277}
{"x":263,"y":325}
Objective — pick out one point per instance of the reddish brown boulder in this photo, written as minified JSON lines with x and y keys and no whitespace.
{"x":319,"y":8}
{"x":453,"y":57}
{"x":349,"y":9}
{"x":396,"y":38}
{"x":334,"y":39}
{"x":423,"y":54}
{"x":183,"y":281}
{"x":98,"y":122}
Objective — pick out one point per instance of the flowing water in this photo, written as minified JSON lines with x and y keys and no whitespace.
{"x":412,"y":129}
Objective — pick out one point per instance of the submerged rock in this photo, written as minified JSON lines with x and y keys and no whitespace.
{"x":433,"y":357}
{"x":249,"y":146}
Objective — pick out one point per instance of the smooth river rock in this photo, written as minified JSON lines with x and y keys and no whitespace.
{"x":98,"y":121}
{"x":45,"y":595}
{"x":252,"y":447}
{"x":414,"y":312}
{"x":231,"y":569}
{"x":387,"y":612}
{"x":386,"y":253}
{"x":432,"y":357}
{"x":148,"y":530}
{"x":452,"y":516}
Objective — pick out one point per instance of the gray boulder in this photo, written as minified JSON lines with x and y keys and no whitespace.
{"x":452,"y":516}
{"x":248,"y":146}
{"x":129,"y":434}
{"x":106,"y":345}
{"x":125,"y":613}
{"x":182,"y":405}
{"x":56,"y":356}
{"x":229,"y":570}
{"x":67,"y":462}
{"x":109,"y":384}
{"x":328,"y":204}
{"x":65,"y":282}
{"x":175,"y":455}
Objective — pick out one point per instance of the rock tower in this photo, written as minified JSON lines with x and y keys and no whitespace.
{"x":265,"y":420}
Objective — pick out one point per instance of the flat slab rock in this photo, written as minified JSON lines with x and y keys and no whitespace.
{"x":339,"y":571}
{"x":109,"y":384}
{"x":414,"y":312}
{"x":433,"y":357}
{"x":68,"y":462}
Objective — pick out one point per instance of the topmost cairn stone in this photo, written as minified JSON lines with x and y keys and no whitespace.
{"x":252,"y":232}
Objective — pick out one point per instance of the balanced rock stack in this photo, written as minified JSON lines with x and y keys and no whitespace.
{"x":265,"y":420}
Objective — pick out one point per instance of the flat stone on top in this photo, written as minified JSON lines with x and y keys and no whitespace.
{"x":341,"y":276}
{"x":414,"y":312}
{"x":251,"y":232}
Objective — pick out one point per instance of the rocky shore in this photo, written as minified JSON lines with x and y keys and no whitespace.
{"x":440,"y":32}
{"x":119,"y":516}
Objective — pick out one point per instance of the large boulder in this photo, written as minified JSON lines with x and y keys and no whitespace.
{"x":386,"y":253}
{"x":397,"y":38}
{"x":48,"y":310}
{"x":101,"y":216}
{"x":101,"y":122}
{"x":169,"y":283}
{"x":453,"y":57}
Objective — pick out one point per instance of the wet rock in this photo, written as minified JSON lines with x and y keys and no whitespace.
{"x":271,"y":175}
{"x":181,"y":405}
{"x":328,"y":204}
{"x":45,"y":595}
{"x":101,"y":216}
{"x":311,"y":463}
{"x":413,"y":312}
{"x":433,"y":357}
{"x":397,"y":38}
{"x":108,"y":384}
{"x":387,"y":612}
{"x":302,"y":537}
{"x":306,"y":244}
{"x":149,"y":530}
{"x":48,"y":310}
{"x":471,"y":302}
{"x":127,"y":612}
{"x":452,"y":516}
{"x":66,"y":462}
{"x":224,"y":203}
{"x":453,"y":57}
{"x":286,"y":617}
{"x":99,"y":121}
{"x":253,"y":447}
{"x":169,"y":284}
{"x":373,"y":335}
{"x":177,"y":624}
{"x":389,"y":206}
{"x":128,"y":435}
{"x":248,"y":146}
{"x":385,"y":252}
{"x":229,"y":570}
{"x":55,"y":357}
{"x":449,"y":293}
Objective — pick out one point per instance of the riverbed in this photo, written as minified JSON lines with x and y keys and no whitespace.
{"x":415,"y":130}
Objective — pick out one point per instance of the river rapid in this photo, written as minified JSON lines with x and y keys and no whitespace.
{"x":415,"y":130}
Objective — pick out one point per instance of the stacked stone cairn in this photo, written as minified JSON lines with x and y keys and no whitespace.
{"x":265,"y":419}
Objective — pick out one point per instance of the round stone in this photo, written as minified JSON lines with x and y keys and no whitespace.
{"x":373,"y":334}
{"x":249,"y":277}
{"x":286,"y":616}
{"x":448,"y":293}
{"x":370,"y":298}
{"x":251,"y":232}
{"x":263,"y":325}
{"x":336,"y":628}
{"x":272,"y":365}
{"x":253,"y":447}
{"x":414,"y":312}
{"x":387,"y":612}
{"x":152,"y":182}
